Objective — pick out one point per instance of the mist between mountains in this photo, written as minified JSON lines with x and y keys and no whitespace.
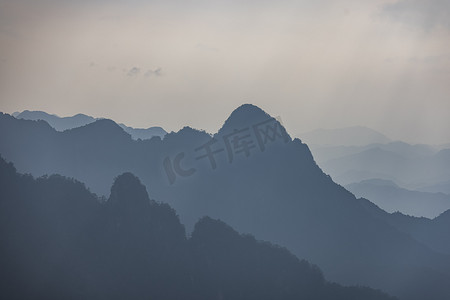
{"x":239,"y":142}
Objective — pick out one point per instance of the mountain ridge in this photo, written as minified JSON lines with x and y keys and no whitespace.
{"x":392,"y":198}
{"x":349,"y":136}
{"x":276,"y":192}
{"x":129,"y":246}
{"x":79,"y":120}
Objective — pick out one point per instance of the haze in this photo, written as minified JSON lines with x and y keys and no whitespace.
{"x":330,"y":64}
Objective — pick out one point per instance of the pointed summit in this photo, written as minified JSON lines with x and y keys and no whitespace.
{"x":244,"y":116}
{"x":248,"y":110}
{"x":247,"y":116}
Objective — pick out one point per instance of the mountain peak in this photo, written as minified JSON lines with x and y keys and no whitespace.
{"x":128,"y":190}
{"x":244,"y":113}
{"x":248,"y":108}
{"x":246,"y":116}
{"x":101,"y":129}
{"x":379,"y":182}
{"x":55,"y":121}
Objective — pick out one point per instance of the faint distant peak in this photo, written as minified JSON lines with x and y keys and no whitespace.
{"x":36,"y":123}
{"x":55,"y":121}
{"x":33,"y":114}
{"x":144,"y":133}
{"x":347,"y":136}
{"x":379,"y":182}
{"x":79,"y":120}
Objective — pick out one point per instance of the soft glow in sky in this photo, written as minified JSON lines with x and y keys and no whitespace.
{"x":381,"y":64}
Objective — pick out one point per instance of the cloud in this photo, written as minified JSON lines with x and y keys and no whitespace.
{"x":133,"y":72}
{"x":156,"y":72}
{"x":428,"y":14}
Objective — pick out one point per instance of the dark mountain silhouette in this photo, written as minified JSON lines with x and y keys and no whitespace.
{"x":65,"y":123}
{"x":348,"y":136}
{"x":59,"y":241}
{"x":263,"y":271}
{"x":431,"y":232}
{"x":251,"y":175}
{"x":245,"y":116}
{"x":390,"y":197}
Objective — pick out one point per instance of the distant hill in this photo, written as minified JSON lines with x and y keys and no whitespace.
{"x":348,"y":136}
{"x":144,"y":133}
{"x":441,"y":187}
{"x":405,"y":169}
{"x":323,"y":154}
{"x":414,"y":167}
{"x":253,"y":176}
{"x":59,"y":123}
{"x":65,"y":123}
{"x":431,"y":232}
{"x":59,"y":241}
{"x":390,"y":197}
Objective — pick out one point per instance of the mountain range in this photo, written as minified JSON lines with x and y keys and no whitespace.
{"x":255,"y":177}
{"x":414,"y":167}
{"x":431,"y":232}
{"x":59,"y":241}
{"x":65,"y":123}
{"x":347,"y":136}
{"x":392,"y":198}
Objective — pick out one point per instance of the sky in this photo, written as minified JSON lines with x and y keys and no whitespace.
{"x":384,"y":64}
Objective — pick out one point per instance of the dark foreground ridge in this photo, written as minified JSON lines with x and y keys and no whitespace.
{"x":59,"y":241}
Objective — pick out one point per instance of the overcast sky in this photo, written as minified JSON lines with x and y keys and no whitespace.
{"x":316,"y":64}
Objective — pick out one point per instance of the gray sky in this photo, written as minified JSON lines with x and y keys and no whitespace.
{"x":382,"y":64}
